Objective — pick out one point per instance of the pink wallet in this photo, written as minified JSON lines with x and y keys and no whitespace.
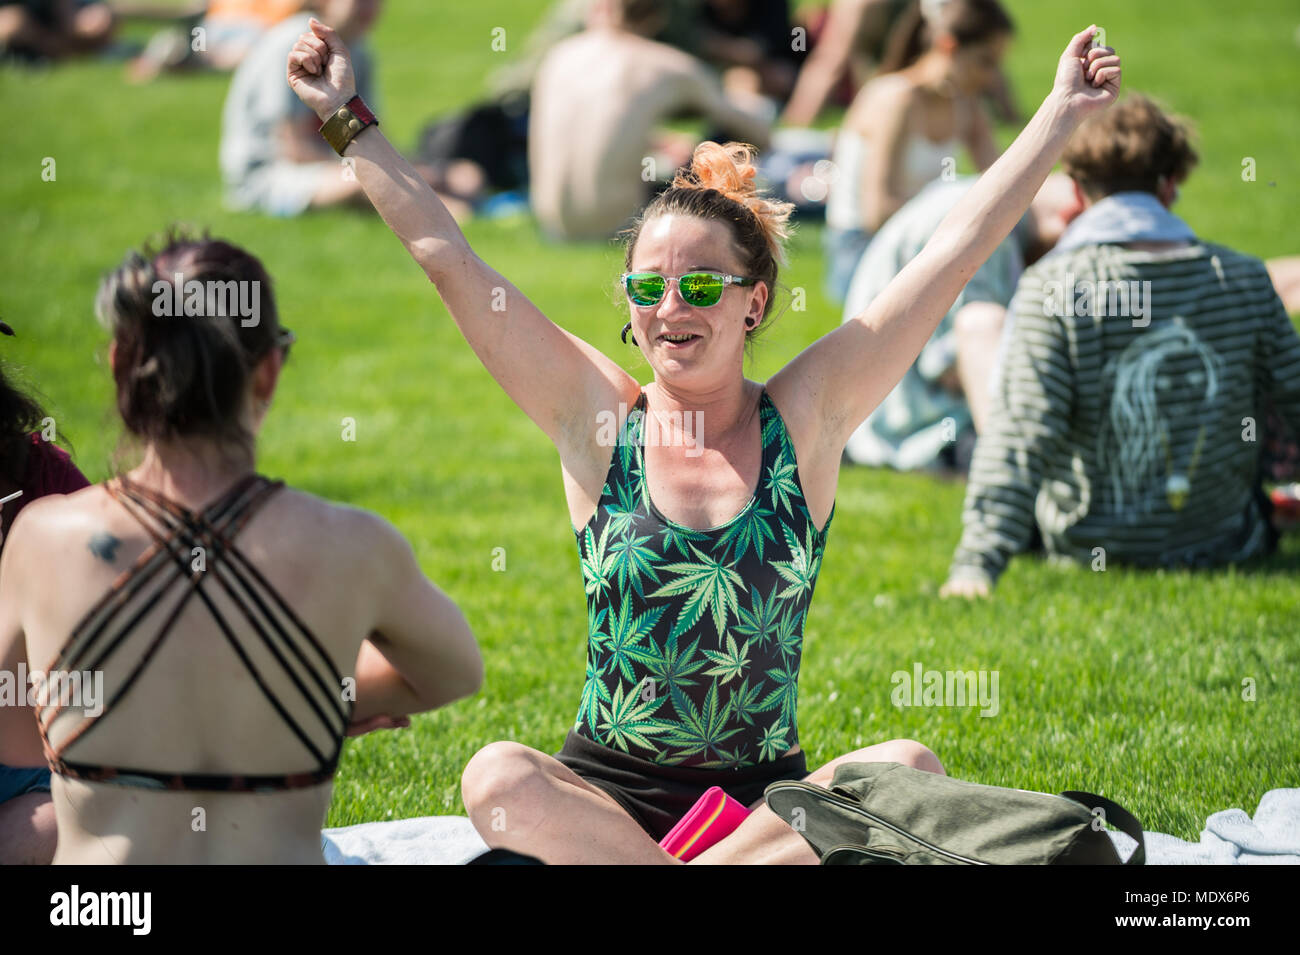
{"x":714,"y":816}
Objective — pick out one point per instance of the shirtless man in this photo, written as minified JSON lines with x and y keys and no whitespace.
{"x":596,"y":103}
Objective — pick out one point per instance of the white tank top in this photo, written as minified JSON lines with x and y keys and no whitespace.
{"x":923,"y":160}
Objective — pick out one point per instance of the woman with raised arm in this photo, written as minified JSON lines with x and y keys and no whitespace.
{"x":208,"y":636}
{"x":701,"y":530}
{"x":908,"y":123}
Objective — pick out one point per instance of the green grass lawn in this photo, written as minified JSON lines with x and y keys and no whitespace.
{"x":1127,"y":684}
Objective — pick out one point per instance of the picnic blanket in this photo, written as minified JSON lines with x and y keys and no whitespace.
{"x":1230,"y":837}
{"x":427,"y":840}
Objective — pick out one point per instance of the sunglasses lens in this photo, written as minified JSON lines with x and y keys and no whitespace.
{"x":701,"y":289}
{"x":645,"y":289}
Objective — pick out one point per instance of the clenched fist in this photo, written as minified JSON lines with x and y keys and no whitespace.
{"x":1087,"y":77}
{"x":320,"y":70}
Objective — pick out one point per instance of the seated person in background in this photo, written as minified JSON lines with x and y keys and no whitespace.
{"x":596,"y":102}
{"x":30,"y":467}
{"x":217,"y":39}
{"x":851,"y":38}
{"x":932,"y":416}
{"x":751,"y":41}
{"x":53,"y":29}
{"x":908,"y":125}
{"x":272,"y":157}
{"x":29,"y":462}
{"x":1131,"y":396}
{"x":706,"y":31}
{"x":236,"y":629}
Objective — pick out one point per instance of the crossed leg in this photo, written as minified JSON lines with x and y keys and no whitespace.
{"x":764,"y":838}
{"x":521,"y":799}
{"x":524,"y":800}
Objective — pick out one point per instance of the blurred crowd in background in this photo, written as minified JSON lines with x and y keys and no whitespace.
{"x":1111,"y":382}
{"x":603,"y":105}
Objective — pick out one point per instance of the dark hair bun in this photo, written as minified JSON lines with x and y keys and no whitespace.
{"x":189,"y":322}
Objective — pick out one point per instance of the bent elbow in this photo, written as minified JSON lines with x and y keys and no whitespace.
{"x":469,"y":680}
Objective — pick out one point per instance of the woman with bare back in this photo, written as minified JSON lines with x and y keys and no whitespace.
{"x":206,"y":637}
{"x":701,"y":530}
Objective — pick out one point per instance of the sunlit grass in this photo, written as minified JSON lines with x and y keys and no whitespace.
{"x":1127,"y":684}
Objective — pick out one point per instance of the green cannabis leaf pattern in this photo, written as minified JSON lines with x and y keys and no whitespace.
{"x":695,"y":637}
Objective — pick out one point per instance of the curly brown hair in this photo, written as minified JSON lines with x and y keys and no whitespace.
{"x":1129,"y":148}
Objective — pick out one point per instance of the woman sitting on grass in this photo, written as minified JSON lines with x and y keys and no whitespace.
{"x":701,"y":530}
{"x":30,"y":468}
{"x":908,"y":123}
{"x":210,"y":636}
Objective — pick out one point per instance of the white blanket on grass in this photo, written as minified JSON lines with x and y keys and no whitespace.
{"x":1230,"y":837}
{"x":427,"y":840}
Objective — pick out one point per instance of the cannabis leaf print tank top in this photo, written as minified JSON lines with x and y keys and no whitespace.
{"x":695,"y":637}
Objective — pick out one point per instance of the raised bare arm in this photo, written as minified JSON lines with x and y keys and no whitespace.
{"x":559,"y":380}
{"x":838,"y":380}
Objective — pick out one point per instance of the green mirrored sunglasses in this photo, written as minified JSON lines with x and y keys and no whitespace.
{"x":697,"y":289}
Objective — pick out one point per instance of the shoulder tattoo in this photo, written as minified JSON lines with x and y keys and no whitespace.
{"x":104,"y":546}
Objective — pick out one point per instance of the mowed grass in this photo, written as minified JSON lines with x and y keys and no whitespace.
{"x":1128,"y":684}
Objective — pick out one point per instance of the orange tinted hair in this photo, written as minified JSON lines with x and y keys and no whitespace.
{"x":719,"y":186}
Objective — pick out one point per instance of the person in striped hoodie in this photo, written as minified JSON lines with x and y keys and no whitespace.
{"x":1139,"y":364}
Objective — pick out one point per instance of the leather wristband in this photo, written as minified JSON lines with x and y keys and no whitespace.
{"x":346,"y":123}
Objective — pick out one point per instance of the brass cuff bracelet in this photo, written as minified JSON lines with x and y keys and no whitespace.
{"x":346,"y":123}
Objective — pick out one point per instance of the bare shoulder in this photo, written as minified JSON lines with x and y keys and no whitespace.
{"x":557,"y":65}
{"x":891,"y":96}
{"x":359,"y":535}
{"x":564,"y":48}
{"x":50,"y":531}
{"x":45,"y":519}
{"x":664,"y":58}
{"x":795,"y":398}
{"x":339,"y":555}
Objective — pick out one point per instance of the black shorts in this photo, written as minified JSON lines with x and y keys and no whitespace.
{"x":658,"y":796}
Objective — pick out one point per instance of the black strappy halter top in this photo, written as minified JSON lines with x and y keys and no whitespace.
{"x":166,"y":572}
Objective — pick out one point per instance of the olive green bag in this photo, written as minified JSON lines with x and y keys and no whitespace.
{"x":887,"y":813}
